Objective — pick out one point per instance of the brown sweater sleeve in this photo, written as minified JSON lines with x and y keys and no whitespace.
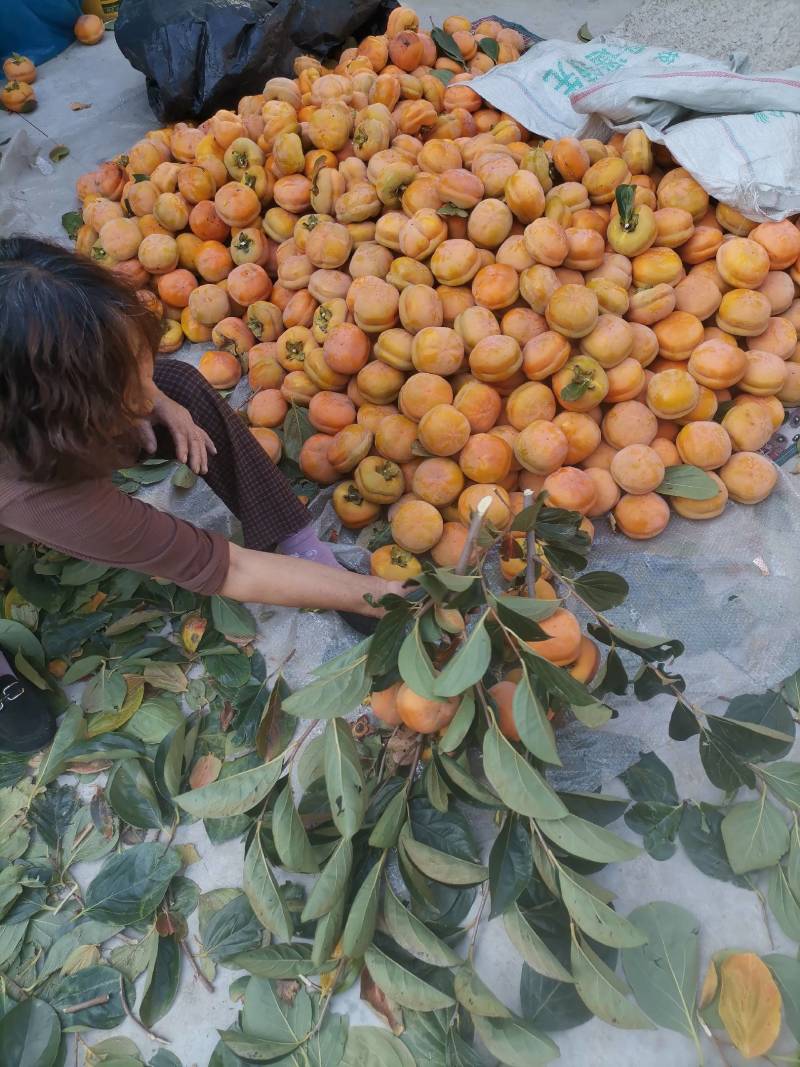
{"x":95,"y":521}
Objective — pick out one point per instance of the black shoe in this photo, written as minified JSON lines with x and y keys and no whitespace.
{"x":26,"y":724}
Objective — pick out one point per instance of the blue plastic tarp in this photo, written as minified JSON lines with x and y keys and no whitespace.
{"x":39,"y":29}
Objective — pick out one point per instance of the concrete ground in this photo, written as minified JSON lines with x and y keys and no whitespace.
{"x":34,"y":195}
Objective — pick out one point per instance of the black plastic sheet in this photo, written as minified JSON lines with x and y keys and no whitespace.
{"x":202,"y":55}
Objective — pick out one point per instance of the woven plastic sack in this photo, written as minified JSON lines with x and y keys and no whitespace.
{"x":736,"y":132}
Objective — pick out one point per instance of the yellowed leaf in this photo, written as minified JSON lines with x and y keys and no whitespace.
{"x":205,"y":771}
{"x":188,"y":854}
{"x":710,"y":986}
{"x":112,"y":720}
{"x":194,"y":626}
{"x":749,"y":1004}
{"x":80,"y":958}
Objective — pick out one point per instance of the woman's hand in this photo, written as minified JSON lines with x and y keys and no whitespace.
{"x":192,"y":443}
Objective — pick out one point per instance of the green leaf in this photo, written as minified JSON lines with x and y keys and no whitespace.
{"x":658,"y":824}
{"x":687,"y":481}
{"x":790,"y":690}
{"x":262,"y":891}
{"x":290,"y":837}
{"x":130,"y":885}
{"x":161,"y":986}
{"x":227,"y":924}
{"x":344,"y":778}
{"x":449,"y":209}
{"x":490,"y":47}
{"x":360,"y":925}
{"x":81,"y":668}
{"x":461,"y":777}
{"x":340,"y":686}
{"x":515,"y":1042}
{"x":516,"y":782}
{"x":625,"y":196}
{"x":131,"y":794}
{"x":413,"y":935}
{"x":167,"y":676}
{"x":663,"y":972}
{"x":268,"y":1015}
{"x":469,"y":664}
{"x":297,"y":429}
{"x":30,"y":1034}
{"x":758,"y":727}
{"x":460,"y":723}
{"x":447,"y":45}
{"x":133,"y":619}
{"x":441,"y":866}
{"x":721,"y":764}
{"x":581,"y":838}
{"x":387,"y":641}
{"x":602,"y":589}
{"x":444,"y":76}
{"x":387,"y":828}
{"x":473,"y":994}
{"x":701,"y":836}
{"x":414,"y":664}
{"x":133,"y":960}
{"x":14,"y":638}
{"x":105,"y":692}
{"x":72,"y":222}
{"x":595,"y":917}
{"x":168,"y":763}
{"x":233,"y":795}
{"x":783,"y":902}
{"x":156,"y":717}
{"x":331,"y":884}
{"x":278,"y":961}
{"x":650,"y":779}
{"x":90,"y":984}
{"x":786,"y":972}
{"x":603,"y":992}
{"x":59,"y":152}
{"x":326,"y":934}
{"x":70,"y":729}
{"x":523,"y":615}
{"x":755,"y":835}
{"x":533,"y":726}
{"x":403,"y":986}
{"x":784,"y":780}
{"x":532,"y":948}
{"x":371,"y":1045}
{"x":232,"y":619}
{"x":510,"y":865}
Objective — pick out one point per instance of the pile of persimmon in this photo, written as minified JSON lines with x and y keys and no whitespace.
{"x":463,"y":308}
{"x":18,"y":93}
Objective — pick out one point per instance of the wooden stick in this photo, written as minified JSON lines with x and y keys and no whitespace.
{"x":93,"y":1003}
{"x":195,"y":966}
{"x":476,"y":522}
{"x":530,"y":547}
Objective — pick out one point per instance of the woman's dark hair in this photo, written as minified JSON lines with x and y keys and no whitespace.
{"x":71,"y":339}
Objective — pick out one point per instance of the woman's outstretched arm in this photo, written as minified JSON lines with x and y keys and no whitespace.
{"x":264,"y":577}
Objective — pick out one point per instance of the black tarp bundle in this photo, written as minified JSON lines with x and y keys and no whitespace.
{"x":202,"y":55}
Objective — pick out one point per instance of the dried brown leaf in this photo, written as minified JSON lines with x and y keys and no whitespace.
{"x":226,"y":718}
{"x":388,"y":1009}
{"x":400,"y":747}
{"x":76,"y":105}
{"x":205,"y":771}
